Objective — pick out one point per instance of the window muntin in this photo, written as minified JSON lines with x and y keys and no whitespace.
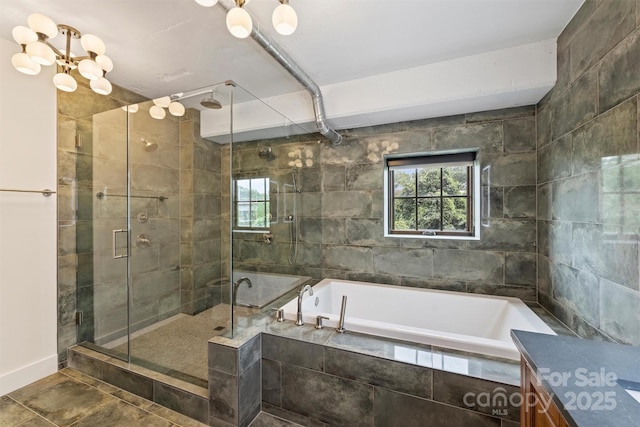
{"x":251,"y":204}
{"x":431,"y":195}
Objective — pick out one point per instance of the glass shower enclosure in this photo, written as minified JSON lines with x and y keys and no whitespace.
{"x":158,"y":206}
{"x":153,"y":238}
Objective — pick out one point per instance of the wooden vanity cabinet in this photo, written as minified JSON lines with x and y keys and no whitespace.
{"x":537,"y":409}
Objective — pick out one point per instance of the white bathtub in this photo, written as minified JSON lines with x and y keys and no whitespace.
{"x":266,"y":287}
{"x":467,"y":322}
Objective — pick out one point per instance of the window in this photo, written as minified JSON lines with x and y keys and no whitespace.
{"x":251,"y":203}
{"x":432,"y":195}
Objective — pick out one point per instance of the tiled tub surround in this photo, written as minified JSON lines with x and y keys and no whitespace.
{"x":588,"y":131}
{"x":246,"y":372}
{"x":475,"y":323}
{"x":340,"y":207}
{"x":312,"y":377}
{"x":304,"y":379}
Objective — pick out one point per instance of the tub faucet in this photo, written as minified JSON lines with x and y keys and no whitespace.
{"x":299,"y":321}
{"x":237,"y":284}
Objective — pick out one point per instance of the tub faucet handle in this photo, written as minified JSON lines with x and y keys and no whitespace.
{"x":319,"y":321}
{"x":279,"y":314}
{"x":343,"y":309}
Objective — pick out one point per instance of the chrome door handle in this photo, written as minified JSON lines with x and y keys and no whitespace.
{"x":115,"y":254}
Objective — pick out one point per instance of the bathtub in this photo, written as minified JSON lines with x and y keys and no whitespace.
{"x":266,"y":287}
{"x":460,"y":321}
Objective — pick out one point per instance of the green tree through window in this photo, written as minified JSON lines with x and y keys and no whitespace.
{"x":251,"y":203}
{"x":431,"y":194}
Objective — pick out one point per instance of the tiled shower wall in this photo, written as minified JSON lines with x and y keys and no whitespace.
{"x":589,"y":175}
{"x":184,"y":229}
{"x":200,"y":236}
{"x":340,"y":207}
{"x":75,"y":206}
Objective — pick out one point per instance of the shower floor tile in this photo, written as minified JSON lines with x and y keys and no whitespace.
{"x":70,"y":397}
{"x":179,"y":346}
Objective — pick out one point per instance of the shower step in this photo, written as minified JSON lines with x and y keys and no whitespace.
{"x":183,"y":397}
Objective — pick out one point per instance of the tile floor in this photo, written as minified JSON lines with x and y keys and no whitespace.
{"x":186,"y":358}
{"x":70,"y":398}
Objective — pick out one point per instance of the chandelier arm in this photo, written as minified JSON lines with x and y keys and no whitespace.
{"x":55,"y":49}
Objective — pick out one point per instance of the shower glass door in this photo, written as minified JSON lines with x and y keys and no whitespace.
{"x":153,"y":250}
{"x":102,"y":237}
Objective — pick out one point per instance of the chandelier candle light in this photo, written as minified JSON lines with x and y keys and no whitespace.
{"x":239,"y":23}
{"x":37,"y":51}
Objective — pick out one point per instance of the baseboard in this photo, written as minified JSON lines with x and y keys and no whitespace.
{"x":20,"y":377}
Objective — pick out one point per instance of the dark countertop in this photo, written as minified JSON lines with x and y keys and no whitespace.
{"x":585,"y":378}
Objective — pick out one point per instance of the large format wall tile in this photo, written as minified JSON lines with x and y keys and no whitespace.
{"x":577,"y":198}
{"x":486,"y":136}
{"x":400,"y":410}
{"x":618,"y":79}
{"x":611,"y":22}
{"x":469,"y":265}
{"x":577,"y":106}
{"x":605,"y":255}
{"x":554,"y":160}
{"x":620,"y":312}
{"x":602,"y":140}
{"x":341,"y":206}
{"x":297,"y":353}
{"x":468,"y":393}
{"x":403,"y":262}
{"x":578,"y":291}
{"x":588,"y":272}
{"x":397,"y":376}
{"x":327,"y":398}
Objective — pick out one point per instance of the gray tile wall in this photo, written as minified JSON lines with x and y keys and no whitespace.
{"x":234,"y":383}
{"x":155,"y":275}
{"x":589,"y":175}
{"x":200,"y":217}
{"x":76,"y":207}
{"x":316,"y":385}
{"x":341,"y":207}
{"x":183,"y":230}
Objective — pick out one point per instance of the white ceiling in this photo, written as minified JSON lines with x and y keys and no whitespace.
{"x":162,"y":47}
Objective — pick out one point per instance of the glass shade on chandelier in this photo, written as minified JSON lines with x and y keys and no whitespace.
{"x":157,"y":110}
{"x":240,"y":25}
{"x":37,"y":51}
{"x":284,"y":18}
{"x":207,"y":3}
{"x":239,"y":22}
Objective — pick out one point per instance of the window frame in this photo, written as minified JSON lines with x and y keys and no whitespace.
{"x":267,"y":201}
{"x":467,"y":157}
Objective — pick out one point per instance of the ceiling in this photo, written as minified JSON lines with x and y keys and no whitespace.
{"x":162,"y":47}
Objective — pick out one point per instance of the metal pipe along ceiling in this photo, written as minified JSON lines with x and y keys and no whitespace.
{"x":271,"y":47}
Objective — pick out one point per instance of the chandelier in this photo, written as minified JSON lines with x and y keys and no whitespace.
{"x":239,"y":23}
{"x":37,"y":51}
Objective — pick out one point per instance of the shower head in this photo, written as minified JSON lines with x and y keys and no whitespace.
{"x":210,"y":102}
{"x":149,"y":146}
{"x":265,"y":153}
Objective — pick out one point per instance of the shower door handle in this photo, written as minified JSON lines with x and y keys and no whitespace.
{"x":115,"y":234}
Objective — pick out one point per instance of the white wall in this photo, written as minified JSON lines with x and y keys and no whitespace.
{"x":27,"y":224}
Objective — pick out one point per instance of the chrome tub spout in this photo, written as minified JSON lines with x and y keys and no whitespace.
{"x":299,"y":321}
{"x":237,"y":284}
